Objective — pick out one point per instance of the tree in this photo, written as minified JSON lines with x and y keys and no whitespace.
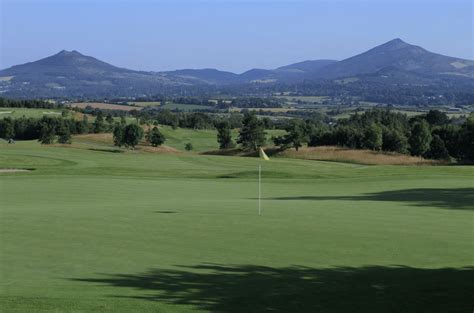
{"x":7,"y":128}
{"x":155,"y":137}
{"x":394,"y":140}
{"x":451,"y":136}
{"x":224,"y":135}
{"x":235,"y":120}
{"x":109,"y":119}
{"x":47,"y":132}
{"x":99,"y":125}
{"x":85,"y":124}
{"x":295,"y":137}
{"x":64,"y":134}
{"x":118,"y":134}
{"x":435,"y":117}
{"x":188,"y":146}
{"x":373,"y":137}
{"x":438,"y":149}
{"x":132,"y":135}
{"x":123,"y":121}
{"x":420,"y":138}
{"x":467,"y":139}
{"x":252,"y":134}
{"x":348,"y":136}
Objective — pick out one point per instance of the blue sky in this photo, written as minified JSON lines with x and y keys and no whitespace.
{"x":227,"y":34}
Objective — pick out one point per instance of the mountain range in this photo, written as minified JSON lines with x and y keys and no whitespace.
{"x":72,"y":74}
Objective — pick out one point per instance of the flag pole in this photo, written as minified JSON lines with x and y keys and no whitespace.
{"x":259,"y":189}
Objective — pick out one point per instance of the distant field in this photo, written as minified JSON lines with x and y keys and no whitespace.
{"x":105,"y":106}
{"x":19,"y":112}
{"x":277,"y":110}
{"x":172,"y":106}
{"x":145,"y":104}
{"x":185,"y":107}
{"x":312,"y":99}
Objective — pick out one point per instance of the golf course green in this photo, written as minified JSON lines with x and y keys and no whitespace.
{"x":106,"y":230}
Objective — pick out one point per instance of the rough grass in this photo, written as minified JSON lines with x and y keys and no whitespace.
{"x":354,"y":156}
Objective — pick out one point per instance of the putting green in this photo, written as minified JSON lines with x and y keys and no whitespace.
{"x":95,"y":231}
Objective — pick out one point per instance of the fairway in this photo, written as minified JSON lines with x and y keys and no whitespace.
{"x":96,"y":231}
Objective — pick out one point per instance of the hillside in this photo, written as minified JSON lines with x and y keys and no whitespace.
{"x":72,"y":74}
{"x":397,"y":55}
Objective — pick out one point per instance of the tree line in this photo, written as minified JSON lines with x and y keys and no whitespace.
{"x":49,"y":129}
{"x":31,"y":104}
{"x":432,"y":135}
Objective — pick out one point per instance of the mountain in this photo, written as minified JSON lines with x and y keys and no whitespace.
{"x":72,"y":74}
{"x":289,"y":73}
{"x":208,"y":75}
{"x":400,"y":57}
{"x":307,"y":66}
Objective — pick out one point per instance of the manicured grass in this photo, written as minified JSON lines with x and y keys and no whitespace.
{"x":95,"y":231}
{"x":201,"y":139}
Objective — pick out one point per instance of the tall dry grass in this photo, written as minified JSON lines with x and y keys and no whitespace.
{"x":369,"y":157}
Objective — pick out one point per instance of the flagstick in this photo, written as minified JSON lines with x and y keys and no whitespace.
{"x":259,"y":188}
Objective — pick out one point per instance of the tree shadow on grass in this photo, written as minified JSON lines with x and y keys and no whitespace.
{"x":248,"y":288}
{"x":460,"y":198}
{"x":106,"y":150}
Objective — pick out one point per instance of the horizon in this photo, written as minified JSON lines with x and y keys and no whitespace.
{"x":118,"y":34}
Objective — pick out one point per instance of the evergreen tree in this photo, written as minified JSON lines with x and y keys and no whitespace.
{"x":252,"y":134}
{"x":224,"y":135}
